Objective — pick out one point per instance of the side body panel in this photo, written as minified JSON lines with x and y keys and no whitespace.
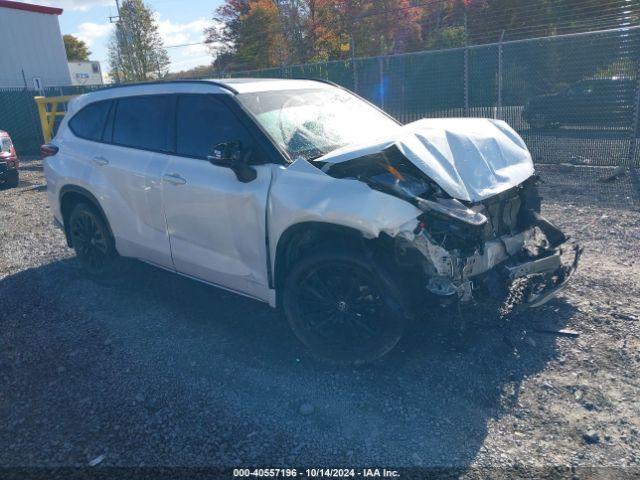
{"x":217,"y":225}
{"x":132,"y":196}
{"x":129,"y":187}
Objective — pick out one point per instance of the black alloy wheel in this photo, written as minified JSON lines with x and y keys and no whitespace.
{"x":342,"y":309}
{"x":91,"y":240}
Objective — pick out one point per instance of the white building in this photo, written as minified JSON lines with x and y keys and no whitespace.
{"x":32,"y":52}
{"x":85,"y":73}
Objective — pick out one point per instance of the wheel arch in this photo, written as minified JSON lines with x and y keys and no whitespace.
{"x":300,"y":238}
{"x":69,"y":197}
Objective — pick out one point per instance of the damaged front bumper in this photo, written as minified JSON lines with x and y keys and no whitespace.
{"x":524,"y":258}
{"x":556,"y":272}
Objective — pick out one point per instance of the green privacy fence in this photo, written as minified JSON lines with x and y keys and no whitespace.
{"x":19,"y":115}
{"x":573,"y":98}
{"x":519,"y":82}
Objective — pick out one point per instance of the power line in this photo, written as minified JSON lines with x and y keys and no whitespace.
{"x":205,"y":42}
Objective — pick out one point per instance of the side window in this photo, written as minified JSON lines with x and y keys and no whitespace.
{"x":145,"y":122}
{"x":203,"y":123}
{"x":89,"y":122}
{"x":5,"y":144}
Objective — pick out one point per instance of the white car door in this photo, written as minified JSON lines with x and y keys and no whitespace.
{"x":216,"y":223}
{"x":132,"y":164}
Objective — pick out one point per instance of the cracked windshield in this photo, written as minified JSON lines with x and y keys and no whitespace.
{"x":313,"y":122}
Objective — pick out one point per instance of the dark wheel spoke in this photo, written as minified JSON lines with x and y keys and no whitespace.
{"x":362,"y":324}
{"x":330,"y":319}
{"x":314,"y":300}
{"x":90,"y":239}
{"x":321,"y":288}
{"x":353,"y":290}
{"x":311,"y":294}
{"x":340,"y":309}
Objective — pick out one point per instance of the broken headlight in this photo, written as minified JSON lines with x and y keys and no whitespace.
{"x":454,"y":209}
{"x":453,"y":226}
{"x":405,"y":187}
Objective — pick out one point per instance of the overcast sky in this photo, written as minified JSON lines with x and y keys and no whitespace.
{"x":179,"y":21}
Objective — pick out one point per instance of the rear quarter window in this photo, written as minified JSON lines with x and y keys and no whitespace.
{"x":89,"y":122}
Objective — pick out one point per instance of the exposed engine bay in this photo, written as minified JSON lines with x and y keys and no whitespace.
{"x":475,"y":246}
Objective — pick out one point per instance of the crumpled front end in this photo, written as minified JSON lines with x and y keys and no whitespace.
{"x":483,"y":265}
{"x":477,"y":251}
{"x":474,"y":239}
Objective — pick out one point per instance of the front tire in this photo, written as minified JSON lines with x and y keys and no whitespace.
{"x":342,"y":308}
{"x":91,"y":239}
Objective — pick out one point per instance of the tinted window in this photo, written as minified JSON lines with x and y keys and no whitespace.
{"x":89,"y":122}
{"x":145,"y":122}
{"x":5,"y":144}
{"x":203,"y":123}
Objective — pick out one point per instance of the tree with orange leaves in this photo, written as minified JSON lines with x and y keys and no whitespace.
{"x":248,"y":34}
{"x":370,"y":27}
{"x":261,"y":42}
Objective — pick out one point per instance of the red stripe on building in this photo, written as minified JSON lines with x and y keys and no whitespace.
{"x":28,"y":7}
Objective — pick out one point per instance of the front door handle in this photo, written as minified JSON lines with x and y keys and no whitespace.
{"x":174,"y":179}
{"x":100,"y":161}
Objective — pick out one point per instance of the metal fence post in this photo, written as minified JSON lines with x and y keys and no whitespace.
{"x":498,"y":113}
{"x":466,"y":81}
{"x":381,"y":81}
{"x":466,"y":67}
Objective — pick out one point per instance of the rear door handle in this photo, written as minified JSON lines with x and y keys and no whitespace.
{"x":100,"y":161}
{"x":174,"y":179}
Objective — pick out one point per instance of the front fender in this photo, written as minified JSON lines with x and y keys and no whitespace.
{"x":302,"y":193}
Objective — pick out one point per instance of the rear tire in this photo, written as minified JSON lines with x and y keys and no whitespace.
{"x":91,"y":239}
{"x":13,"y":179}
{"x":342,"y":308}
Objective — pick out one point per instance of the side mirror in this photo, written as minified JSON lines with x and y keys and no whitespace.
{"x":225,"y":154}
{"x":231,"y":155}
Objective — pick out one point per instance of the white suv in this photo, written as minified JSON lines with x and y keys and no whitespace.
{"x":301,"y":194}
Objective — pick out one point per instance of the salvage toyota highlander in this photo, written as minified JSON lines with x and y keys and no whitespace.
{"x":303,"y":195}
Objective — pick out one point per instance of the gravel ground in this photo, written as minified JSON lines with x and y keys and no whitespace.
{"x":159,"y":370}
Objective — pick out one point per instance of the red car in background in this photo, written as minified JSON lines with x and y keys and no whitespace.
{"x":9,"y":162}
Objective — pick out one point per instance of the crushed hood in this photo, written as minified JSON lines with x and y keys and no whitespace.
{"x":469,"y":158}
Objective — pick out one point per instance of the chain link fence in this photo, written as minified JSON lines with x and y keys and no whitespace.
{"x":19,"y":114}
{"x":573,"y":98}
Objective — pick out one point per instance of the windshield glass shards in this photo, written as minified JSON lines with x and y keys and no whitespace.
{"x":310,"y":123}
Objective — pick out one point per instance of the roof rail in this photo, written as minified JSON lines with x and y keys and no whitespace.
{"x":166,"y":82}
